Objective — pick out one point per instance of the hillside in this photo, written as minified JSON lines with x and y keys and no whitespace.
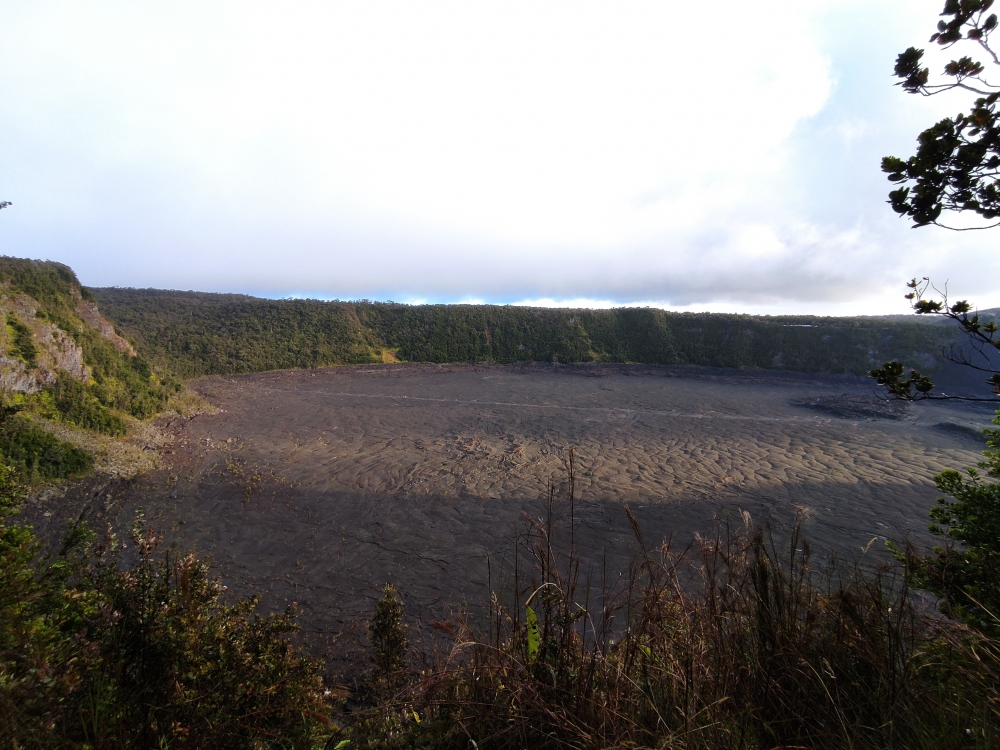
{"x":62,"y":362}
{"x":192,"y":334}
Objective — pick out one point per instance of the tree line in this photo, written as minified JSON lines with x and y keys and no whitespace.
{"x":190,"y":334}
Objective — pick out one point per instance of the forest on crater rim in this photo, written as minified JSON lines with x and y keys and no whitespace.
{"x":192,"y":334}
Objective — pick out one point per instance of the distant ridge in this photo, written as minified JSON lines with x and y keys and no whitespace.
{"x":195,"y":333}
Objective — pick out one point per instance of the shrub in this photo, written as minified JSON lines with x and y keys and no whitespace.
{"x":40,"y":668}
{"x":33,"y":455}
{"x":22,"y":343}
{"x":387,"y":633}
{"x":965,"y":571}
{"x":77,"y":404}
{"x":97,"y":653}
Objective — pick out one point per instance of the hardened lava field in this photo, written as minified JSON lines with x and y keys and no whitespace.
{"x":320,"y":486}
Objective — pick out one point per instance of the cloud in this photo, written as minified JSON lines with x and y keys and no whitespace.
{"x":450,"y":151}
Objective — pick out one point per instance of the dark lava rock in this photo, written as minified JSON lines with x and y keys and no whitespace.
{"x":854,"y":406}
{"x":961,"y":431}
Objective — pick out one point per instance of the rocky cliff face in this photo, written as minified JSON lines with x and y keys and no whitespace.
{"x":54,"y":349}
{"x":91,"y":316}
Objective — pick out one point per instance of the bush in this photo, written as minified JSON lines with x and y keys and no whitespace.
{"x":387,"y":633}
{"x":77,"y":404}
{"x":97,"y":653}
{"x":40,"y":667}
{"x":34,"y":455}
{"x":22,"y":343}
{"x":965,"y":571}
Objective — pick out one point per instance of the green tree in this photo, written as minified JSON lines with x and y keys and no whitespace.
{"x":957,"y":164}
{"x":956,"y":169}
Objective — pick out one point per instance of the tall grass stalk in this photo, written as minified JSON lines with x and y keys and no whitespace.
{"x":735,"y":641}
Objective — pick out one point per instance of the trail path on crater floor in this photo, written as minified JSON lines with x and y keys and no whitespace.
{"x":320,"y":486}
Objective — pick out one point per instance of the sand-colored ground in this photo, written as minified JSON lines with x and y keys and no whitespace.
{"x":318,"y":487}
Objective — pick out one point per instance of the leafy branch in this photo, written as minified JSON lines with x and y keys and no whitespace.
{"x":957,"y":163}
{"x":981,"y":335}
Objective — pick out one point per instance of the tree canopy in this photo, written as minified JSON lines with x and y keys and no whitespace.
{"x":956,"y":169}
{"x":957,"y":163}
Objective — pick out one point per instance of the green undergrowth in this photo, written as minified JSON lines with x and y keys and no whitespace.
{"x":123,"y":383}
{"x":33,"y":455}
{"x":193,"y":334}
{"x":113,"y":645}
{"x":22,"y":344}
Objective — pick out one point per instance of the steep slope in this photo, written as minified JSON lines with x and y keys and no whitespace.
{"x":62,"y":362}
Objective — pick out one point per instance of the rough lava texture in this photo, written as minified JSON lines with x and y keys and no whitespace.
{"x":320,"y":486}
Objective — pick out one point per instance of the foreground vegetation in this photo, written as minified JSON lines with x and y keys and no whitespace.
{"x":192,"y":334}
{"x":736,"y":641}
{"x":733,"y":642}
{"x":96,"y":652}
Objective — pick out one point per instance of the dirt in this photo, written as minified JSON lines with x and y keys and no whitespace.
{"x":318,"y":487}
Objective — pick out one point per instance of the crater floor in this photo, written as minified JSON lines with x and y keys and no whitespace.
{"x":320,"y":486}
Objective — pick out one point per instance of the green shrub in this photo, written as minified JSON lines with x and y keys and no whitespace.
{"x":22,"y":343}
{"x":41,"y":668}
{"x":99,"y":653}
{"x":35,"y":455}
{"x":126,"y":384}
{"x":78,"y":405}
{"x":965,"y":571}
{"x":387,"y":633}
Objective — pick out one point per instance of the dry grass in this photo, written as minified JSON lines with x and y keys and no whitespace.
{"x":187,"y":403}
{"x":736,"y":641}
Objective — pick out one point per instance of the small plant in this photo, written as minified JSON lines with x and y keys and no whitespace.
{"x":387,"y":632}
{"x":22,"y":343}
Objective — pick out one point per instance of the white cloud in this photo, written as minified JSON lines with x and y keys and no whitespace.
{"x":456,"y":151}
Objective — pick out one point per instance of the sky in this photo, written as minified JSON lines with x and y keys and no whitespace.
{"x":690,"y":156}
